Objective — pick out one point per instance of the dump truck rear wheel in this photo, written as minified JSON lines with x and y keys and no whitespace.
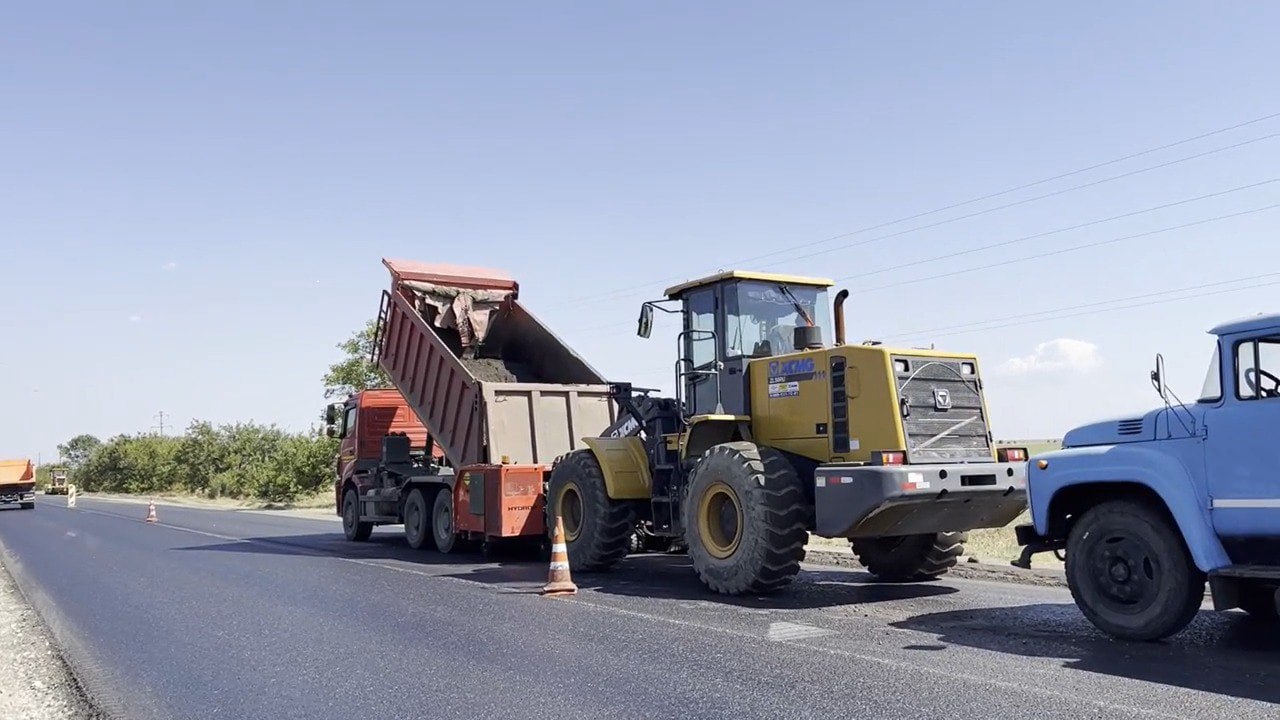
{"x":417,"y":519}
{"x":355,"y":530}
{"x":597,"y":529}
{"x":442,"y":528}
{"x":746,"y":519}
{"x":1130,"y":573}
{"x":910,"y":558}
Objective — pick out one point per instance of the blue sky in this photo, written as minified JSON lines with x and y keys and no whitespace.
{"x":195,"y":199}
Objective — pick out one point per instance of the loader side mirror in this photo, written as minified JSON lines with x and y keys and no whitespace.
{"x":645,"y":325}
{"x":1158,"y":378}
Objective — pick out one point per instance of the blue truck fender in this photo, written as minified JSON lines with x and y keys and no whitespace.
{"x":1160,"y":472}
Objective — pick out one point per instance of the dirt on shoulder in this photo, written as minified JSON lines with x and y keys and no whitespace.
{"x":35,"y":683}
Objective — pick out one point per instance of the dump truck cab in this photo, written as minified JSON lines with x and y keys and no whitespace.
{"x":777,"y":428}
{"x":1149,"y":505}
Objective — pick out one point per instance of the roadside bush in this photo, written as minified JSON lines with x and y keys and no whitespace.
{"x":243,"y":460}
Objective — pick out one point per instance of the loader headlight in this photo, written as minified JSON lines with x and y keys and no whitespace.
{"x":966,"y":368}
{"x":901,"y":366}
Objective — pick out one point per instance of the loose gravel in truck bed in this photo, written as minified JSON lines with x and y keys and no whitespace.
{"x":501,"y":371}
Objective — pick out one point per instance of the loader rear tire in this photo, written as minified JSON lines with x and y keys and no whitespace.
{"x":597,"y":529}
{"x":746,"y":519}
{"x":417,"y":519}
{"x":910,"y":558}
{"x":355,"y":530}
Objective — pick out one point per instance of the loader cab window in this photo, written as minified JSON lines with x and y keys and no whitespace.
{"x":349,"y":421}
{"x":1258,"y":369}
{"x":700,"y":350}
{"x":762,"y":317}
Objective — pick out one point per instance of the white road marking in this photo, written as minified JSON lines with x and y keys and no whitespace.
{"x":783,"y":631}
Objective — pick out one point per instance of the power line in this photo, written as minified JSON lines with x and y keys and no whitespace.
{"x":974,"y":326}
{"x":962,"y":203}
{"x":1063,"y":251}
{"x":1111,"y":309}
{"x":1024,"y":201}
{"x":1047,"y":233}
{"x":1051,"y":253}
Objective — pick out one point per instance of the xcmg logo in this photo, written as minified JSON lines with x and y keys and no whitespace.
{"x":783,"y":368}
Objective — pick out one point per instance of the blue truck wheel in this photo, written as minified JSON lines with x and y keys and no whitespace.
{"x":1130,"y":572}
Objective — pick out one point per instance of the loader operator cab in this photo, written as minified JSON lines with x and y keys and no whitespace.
{"x":732,"y":318}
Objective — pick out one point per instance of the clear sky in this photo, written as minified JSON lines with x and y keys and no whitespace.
{"x":194,"y":198}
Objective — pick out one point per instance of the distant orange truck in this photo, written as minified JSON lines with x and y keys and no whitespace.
{"x":18,"y":483}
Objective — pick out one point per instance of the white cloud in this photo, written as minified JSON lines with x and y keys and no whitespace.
{"x":169,"y":266}
{"x":1062,"y":355}
{"x":135,"y":318}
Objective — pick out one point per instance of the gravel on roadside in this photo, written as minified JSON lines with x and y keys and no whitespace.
{"x":35,"y":683}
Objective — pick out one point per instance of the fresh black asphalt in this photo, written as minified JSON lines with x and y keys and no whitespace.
{"x":234,"y":614}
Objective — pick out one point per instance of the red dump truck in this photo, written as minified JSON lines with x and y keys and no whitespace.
{"x":18,"y":483}
{"x":485,"y":398}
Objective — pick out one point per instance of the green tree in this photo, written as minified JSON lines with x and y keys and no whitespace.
{"x":354,"y":372}
{"x":78,"y":449}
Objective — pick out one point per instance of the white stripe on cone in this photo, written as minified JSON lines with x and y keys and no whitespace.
{"x":560,"y":548}
{"x":559,"y":565}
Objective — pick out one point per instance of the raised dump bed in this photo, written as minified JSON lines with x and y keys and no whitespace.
{"x":489,"y":381}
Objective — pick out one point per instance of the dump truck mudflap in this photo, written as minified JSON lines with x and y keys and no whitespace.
{"x":875,"y":501}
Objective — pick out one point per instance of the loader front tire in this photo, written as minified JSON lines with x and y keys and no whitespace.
{"x":597,"y":529}
{"x":746,"y":519}
{"x":910,"y":558}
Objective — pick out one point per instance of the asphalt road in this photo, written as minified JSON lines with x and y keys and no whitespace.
{"x":224,"y":614}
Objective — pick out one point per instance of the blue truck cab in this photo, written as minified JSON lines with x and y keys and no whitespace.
{"x":1147,"y":507}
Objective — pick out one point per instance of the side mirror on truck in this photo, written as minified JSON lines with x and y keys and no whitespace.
{"x":1158,"y":378}
{"x":646,"y":321}
{"x":331,"y":414}
{"x":331,"y":431}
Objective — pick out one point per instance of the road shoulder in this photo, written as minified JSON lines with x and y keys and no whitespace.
{"x":36,"y":683}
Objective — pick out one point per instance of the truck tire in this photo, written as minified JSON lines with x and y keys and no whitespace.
{"x":443,"y":530}
{"x":1260,"y":602}
{"x":1130,"y":573}
{"x":417,"y":519}
{"x":746,"y":519}
{"x":910,"y":558}
{"x":597,"y":529}
{"x":355,"y":530}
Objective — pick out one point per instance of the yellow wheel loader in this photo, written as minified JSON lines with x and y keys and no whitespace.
{"x":780,"y":429}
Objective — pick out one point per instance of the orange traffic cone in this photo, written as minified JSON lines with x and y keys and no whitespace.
{"x":151,"y":511}
{"x":558,"y":580}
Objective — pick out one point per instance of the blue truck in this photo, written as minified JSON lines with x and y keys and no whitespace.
{"x":1148,"y":507}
